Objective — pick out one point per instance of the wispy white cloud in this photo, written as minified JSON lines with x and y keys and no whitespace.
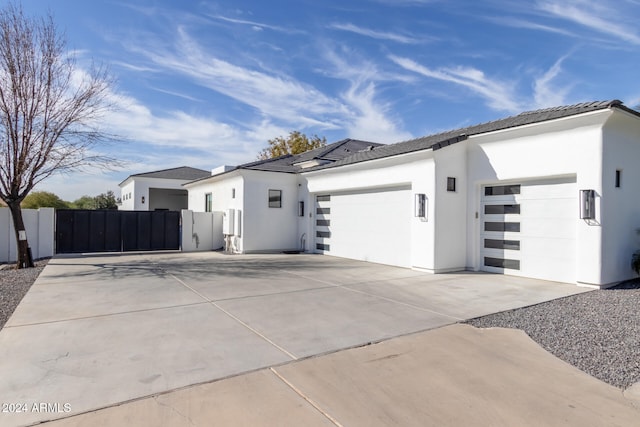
{"x":134,"y":67}
{"x":545,"y":92}
{"x":513,"y":22}
{"x":380,"y":35}
{"x":498,"y":94}
{"x":257,"y":25}
{"x":172,"y":129}
{"x":200,"y":141}
{"x":367,"y":117}
{"x":370,"y":118}
{"x":272,"y":95}
{"x":177,"y":94}
{"x":600,"y":17}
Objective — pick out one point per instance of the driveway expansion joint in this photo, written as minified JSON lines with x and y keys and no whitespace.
{"x":306,"y":398}
{"x":253,"y":330}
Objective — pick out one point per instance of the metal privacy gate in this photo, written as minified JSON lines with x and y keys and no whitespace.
{"x":116,"y":231}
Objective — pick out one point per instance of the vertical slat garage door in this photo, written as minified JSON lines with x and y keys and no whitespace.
{"x":529,"y":229}
{"x":372,"y":225}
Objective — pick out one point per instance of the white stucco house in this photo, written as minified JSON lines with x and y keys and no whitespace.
{"x":551,"y":194}
{"x":158,"y":190}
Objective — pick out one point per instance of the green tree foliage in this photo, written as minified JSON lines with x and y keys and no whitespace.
{"x":84,"y":202}
{"x":101,"y":201}
{"x":295,"y":143}
{"x":106,"y":201}
{"x":43,"y":199}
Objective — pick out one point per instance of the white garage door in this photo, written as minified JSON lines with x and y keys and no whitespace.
{"x":373,"y":225}
{"x":529,"y":229}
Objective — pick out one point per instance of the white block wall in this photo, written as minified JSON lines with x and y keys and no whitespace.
{"x":201,"y":231}
{"x":40,"y":233}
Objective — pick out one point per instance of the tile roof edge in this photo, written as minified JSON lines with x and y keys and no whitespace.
{"x":165,"y":170}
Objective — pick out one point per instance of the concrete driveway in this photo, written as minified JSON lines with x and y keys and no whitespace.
{"x":97,"y":331}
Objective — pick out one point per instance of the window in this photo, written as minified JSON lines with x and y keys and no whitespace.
{"x":512,"y":264}
{"x":323,"y":211}
{"x":326,"y":234}
{"x":502,"y":226}
{"x":502,"y":190}
{"x":322,"y":247}
{"x":233,"y":193}
{"x":208,"y":202}
{"x":323,"y":222}
{"x":326,"y":198}
{"x":451,"y":184}
{"x":275,"y":198}
{"x":513,"y":245}
{"x":618,"y":178}
{"x":501,"y":209}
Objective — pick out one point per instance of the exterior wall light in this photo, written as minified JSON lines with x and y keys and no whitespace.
{"x":587,"y":204}
{"x":420,"y":206}
{"x":142,"y":199}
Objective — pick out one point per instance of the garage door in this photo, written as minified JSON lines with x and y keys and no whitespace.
{"x":529,"y":229}
{"x":372,"y":225}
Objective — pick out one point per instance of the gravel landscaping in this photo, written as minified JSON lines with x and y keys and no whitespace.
{"x":597,"y":332}
{"x":14,"y":284}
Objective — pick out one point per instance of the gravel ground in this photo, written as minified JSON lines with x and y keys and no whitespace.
{"x":14,"y":284}
{"x":597,"y":332}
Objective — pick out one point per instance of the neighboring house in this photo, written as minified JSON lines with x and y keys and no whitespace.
{"x":549,"y":194}
{"x":159,"y":190}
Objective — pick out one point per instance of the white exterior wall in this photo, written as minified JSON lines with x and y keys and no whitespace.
{"x":265,"y":228}
{"x":565,"y":147}
{"x":620,"y":207}
{"x":39,"y":224}
{"x":201,"y":231}
{"x":415,"y":170}
{"x":450,"y":208}
{"x":127,"y":197}
{"x":221,"y":189}
{"x":139,"y":188}
{"x":262,"y":229}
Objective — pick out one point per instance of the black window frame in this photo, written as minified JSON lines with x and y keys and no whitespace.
{"x":275,"y":198}
{"x":451,"y":184}
{"x":502,"y":227}
{"x":511,"y":245}
{"x":502,"y":209}
{"x":502,"y":190}
{"x":508,"y":264}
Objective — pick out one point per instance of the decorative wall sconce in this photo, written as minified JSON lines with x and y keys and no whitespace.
{"x":420,"y":206}
{"x":142,"y":199}
{"x":587,"y":204}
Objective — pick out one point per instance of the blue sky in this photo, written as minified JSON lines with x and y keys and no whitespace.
{"x":206,"y":83}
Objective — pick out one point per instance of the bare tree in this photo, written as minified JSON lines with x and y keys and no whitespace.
{"x":49,"y":111}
